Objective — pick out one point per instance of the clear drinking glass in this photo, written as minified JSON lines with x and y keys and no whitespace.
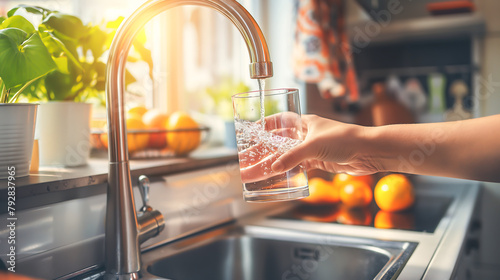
{"x":261,"y":141}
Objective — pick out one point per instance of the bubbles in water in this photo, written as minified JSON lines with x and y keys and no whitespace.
{"x":258,"y":143}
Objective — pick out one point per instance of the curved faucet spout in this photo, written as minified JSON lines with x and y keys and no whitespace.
{"x":122,"y":226}
{"x":260,"y":62}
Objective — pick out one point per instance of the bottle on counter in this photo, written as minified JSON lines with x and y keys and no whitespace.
{"x":387,"y":110}
{"x":437,"y":84}
{"x":458,"y":90}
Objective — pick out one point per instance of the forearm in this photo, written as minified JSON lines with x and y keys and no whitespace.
{"x":465,"y":149}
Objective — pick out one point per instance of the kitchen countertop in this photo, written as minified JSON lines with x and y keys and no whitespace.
{"x":198,"y":200}
{"x":55,"y":184}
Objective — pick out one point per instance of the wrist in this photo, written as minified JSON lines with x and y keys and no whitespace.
{"x":376,"y":148}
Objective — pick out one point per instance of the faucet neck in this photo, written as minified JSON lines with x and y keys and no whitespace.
{"x":122,"y":228}
{"x":260,"y":62}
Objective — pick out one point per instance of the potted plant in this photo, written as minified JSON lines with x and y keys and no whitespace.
{"x":24,"y":59}
{"x":67,"y":93}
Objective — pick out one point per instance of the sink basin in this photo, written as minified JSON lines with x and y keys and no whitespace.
{"x":259,"y":253}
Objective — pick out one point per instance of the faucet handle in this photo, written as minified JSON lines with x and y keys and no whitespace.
{"x":144,"y":189}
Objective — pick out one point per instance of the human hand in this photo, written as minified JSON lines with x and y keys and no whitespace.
{"x":331,"y":146}
{"x":260,"y":148}
{"x":328,"y":145}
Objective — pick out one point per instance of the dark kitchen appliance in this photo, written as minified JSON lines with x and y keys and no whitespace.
{"x":424,"y":216}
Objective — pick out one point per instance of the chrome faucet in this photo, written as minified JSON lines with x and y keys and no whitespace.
{"x":125,"y":231}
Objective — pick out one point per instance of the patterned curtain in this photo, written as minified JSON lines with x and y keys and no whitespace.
{"x":322,"y":53}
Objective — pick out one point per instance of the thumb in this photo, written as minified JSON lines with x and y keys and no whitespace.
{"x":292,"y":158}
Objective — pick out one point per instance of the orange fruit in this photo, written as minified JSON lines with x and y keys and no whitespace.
{"x":394,"y":193}
{"x":385,"y":219}
{"x":354,"y":216}
{"x":137,"y":110}
{"x":356,"y":194}
{"x":135,"y":141}
{"x":321,"y":192}
{"x":182,"y":142}
{"x":104,"y":139}
{"x":154,"y":119}
{"x":342,"y":179}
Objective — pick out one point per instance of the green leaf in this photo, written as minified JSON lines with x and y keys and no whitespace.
{"x":115,"y":23}
{"x":100,"y":68}
{"x":24,"y":57}
{"x":58,"y":85}
{"x":95,"y":41}
{"x":68,"y":25}
{"x":62,"y":64}
{"x":100,"y":85}
{"x":88,"y":76}
{"x":100,"y":76}
{"x":16,"y":95}
{"x":138,"y":44}
{"x":56,"y":47}
{"x":129,"y":78}
{"x":53,"y":47}
{"x":34,"y":92}
{"x":2,"y":19}
{"x":18,"y":22}
{"x":16,"y":35}
{"x":132,"y":58}
{"x":30,"y":9}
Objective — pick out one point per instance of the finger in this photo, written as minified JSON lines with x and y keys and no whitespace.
{"x":334,"y":167}
{"x":306,"y":121}
{"x":293,"y":157}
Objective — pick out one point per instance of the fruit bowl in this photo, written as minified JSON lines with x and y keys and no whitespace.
{"x":153,"y":143}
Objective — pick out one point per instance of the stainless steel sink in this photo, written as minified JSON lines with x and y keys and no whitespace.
{"x":259,"y":253}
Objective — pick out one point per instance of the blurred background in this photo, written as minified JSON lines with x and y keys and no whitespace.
{"x":420,"y":54}
{"x":386,"y":61}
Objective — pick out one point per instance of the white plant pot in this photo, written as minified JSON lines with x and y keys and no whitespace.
{"x":63,"y":133}
{"x":17,"y":130}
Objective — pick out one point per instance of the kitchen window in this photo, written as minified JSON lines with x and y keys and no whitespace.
{"x":193,"y":48}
